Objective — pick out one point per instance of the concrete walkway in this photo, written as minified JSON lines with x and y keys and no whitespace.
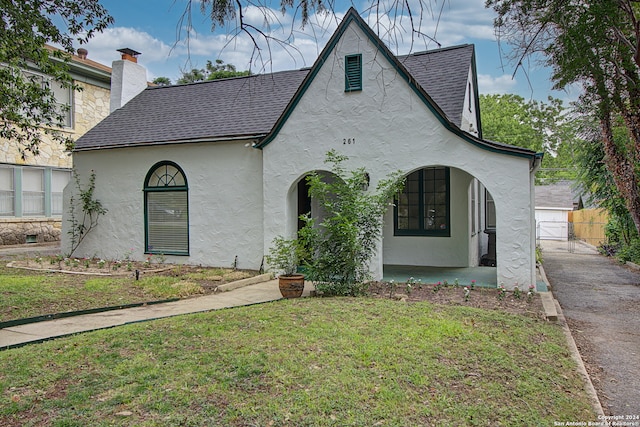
{"x":41,"y":331}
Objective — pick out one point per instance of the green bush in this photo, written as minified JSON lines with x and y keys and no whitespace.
{"x":342,"y":243}
{"x":622,"y":239}
{"x":630,"y":252}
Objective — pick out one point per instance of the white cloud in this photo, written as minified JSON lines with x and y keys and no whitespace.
{"x":488,"y":85}
{"x":451,"y":22}
{"x":102,"y":47}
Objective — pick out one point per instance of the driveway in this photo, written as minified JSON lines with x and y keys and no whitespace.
{"x":601,"y":300}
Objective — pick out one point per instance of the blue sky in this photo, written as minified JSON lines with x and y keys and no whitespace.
{"x":153,"y":28}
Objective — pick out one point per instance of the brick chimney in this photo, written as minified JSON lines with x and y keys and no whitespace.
{"x":128,"y":78}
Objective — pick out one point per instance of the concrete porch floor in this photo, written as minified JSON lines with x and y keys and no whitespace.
{"x":484,"y":276}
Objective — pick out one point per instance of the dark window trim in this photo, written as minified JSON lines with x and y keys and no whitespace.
{"x":422,"y":231}
{"x":173,"y":188}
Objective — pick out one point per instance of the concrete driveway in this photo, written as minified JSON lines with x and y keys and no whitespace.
{"x":601,"y":300}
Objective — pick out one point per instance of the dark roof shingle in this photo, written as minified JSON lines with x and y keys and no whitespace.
{"x":443,"y":74}
{"x":250,"y":106}
{"x":554,"y":196}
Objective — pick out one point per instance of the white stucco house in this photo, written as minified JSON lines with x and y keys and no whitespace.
{"x":209,"y":173}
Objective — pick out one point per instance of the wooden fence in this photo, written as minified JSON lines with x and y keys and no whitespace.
{"x":588,"y":225}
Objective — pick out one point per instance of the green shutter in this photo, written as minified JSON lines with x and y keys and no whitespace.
{"x":353,"y":73}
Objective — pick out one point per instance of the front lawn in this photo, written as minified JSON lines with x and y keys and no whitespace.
{"x":27,"y":293}
{"x":305,"y":362}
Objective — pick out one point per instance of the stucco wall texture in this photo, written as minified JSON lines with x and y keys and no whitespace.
{"x":394,"y":130}
{"x":240,"y":197}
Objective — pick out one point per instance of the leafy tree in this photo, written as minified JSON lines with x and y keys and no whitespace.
{"x":539,"y":126}
{"x":28,"y":108}
{"x":162,"y":81}
{"x":212,"y":71}
{"x":595,"y":44}
{"x":598,"y":182}
{"x":342,"y":244}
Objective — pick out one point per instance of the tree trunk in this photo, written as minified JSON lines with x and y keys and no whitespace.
{"x":621,"y":166}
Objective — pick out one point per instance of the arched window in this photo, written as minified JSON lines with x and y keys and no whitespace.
{"x":166,"y":210}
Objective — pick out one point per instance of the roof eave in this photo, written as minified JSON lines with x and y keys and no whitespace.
{"x":255,"y":137}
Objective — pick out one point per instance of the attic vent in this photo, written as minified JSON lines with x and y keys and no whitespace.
{"x":352,"y":73}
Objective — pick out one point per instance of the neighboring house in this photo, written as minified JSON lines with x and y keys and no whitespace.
{"x":31,"y":188}
{"x":209,"y":173}
{"x":553,"y":203}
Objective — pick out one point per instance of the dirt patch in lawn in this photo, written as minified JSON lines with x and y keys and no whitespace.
{"x":484,"y":298}
{"x":89,"y":266}
{"x":207,"y":277}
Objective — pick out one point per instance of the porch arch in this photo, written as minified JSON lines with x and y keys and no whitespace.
{"x":458,"y":240}
{"x":299,"y":202}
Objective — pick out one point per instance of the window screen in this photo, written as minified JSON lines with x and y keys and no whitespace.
{"x":490,"y":211}
{"x":32,"y":191}
{"x":6,"y":191}
{"x":59,"y":180}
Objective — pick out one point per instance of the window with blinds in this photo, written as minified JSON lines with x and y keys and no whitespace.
{"x":6,"y":191}
{"x":32,"y":192}
{"x":353,"y":73}
{"x":166,"y":210}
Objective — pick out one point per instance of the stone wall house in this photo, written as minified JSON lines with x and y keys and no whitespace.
{"x":31,"y":188}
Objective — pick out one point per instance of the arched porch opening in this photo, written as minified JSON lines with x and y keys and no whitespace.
{"x":301,"y":203}
{"x":441,"y":227}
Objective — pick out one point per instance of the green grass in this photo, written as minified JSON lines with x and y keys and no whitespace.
{"x":305,"y":362}
{"x":25,"y":293}
{"x":28,"y":294}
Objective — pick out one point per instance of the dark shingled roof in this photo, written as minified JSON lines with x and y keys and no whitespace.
{"x":443,"y":74}
{"x":218,"y":109}
{"x":554,"y":196}
{"x":250,"y":106}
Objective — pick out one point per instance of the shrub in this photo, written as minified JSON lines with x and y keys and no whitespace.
{"x":342,"y":244}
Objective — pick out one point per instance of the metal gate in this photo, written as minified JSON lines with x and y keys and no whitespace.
{"x":591,"y":233}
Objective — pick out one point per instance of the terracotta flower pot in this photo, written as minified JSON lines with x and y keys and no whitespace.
{"x":291,"y":286}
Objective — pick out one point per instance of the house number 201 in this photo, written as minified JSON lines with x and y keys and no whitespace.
{"x":348,"y":141}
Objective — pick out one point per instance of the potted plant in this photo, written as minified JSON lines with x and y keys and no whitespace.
{"x":284,"y":257}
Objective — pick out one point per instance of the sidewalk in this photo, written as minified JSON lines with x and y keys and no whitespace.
{"x":41,"y":331}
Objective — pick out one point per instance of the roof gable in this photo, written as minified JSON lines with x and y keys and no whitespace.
{"x":352,"y":17}
{"x":256,"y":107}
